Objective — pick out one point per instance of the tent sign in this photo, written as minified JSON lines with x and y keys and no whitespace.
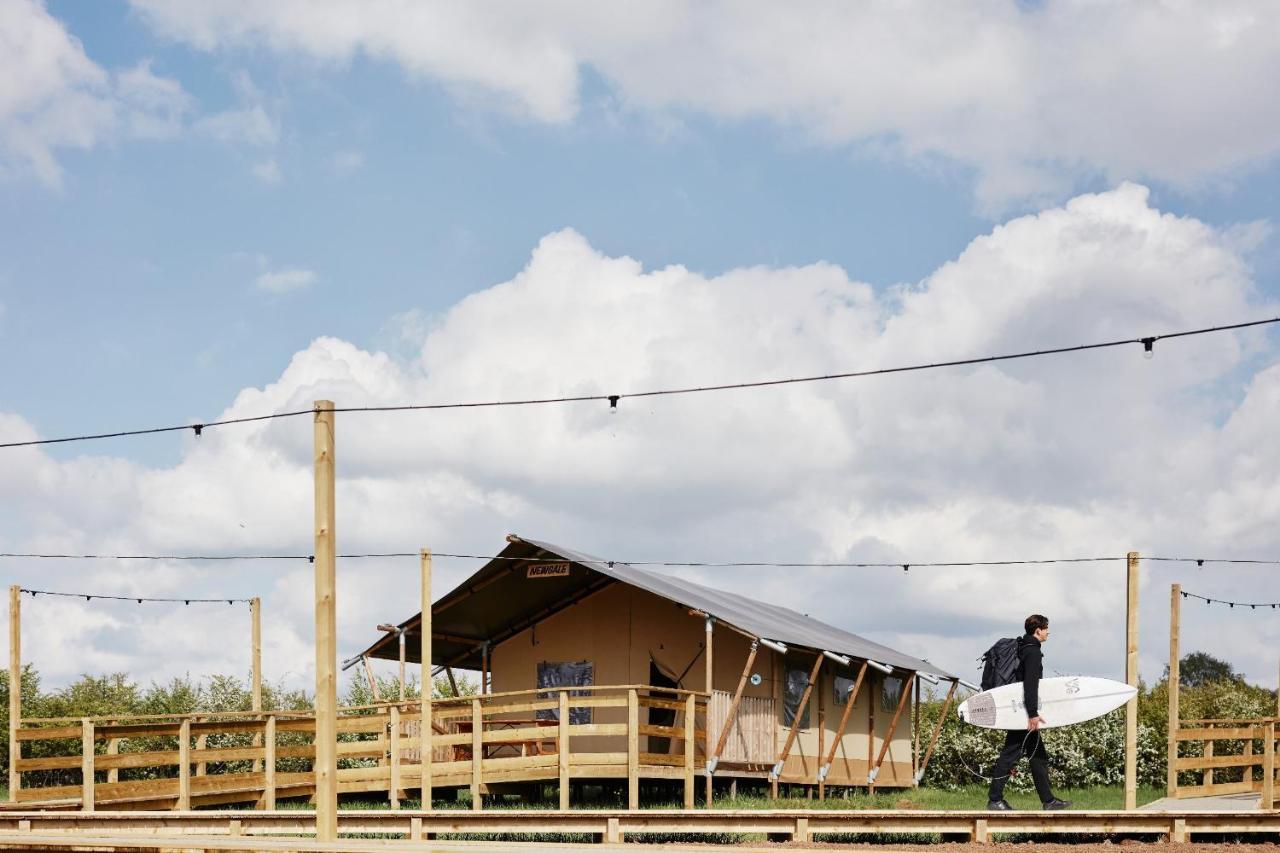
{"x":549,"y":570}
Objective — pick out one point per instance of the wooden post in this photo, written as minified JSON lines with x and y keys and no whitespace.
{"x":86,"y":765}
{"x":255,"y":677}
{"x":477,"y":754}
{"x":325,"y":765}
{"x":1207,"y":777}
{"x":633,"y":750}
{"x":401,"y":638}
{"x":113,"y":748}
{"x":269,"y":765}
{"x":871,"y":732}
{"x":424,"y":656}
{"x":709,"y":792}
{"x":562,"y":746}
{"x":915,"y":735}
{"x":374,"y":693}
{"x":393,"y":790}
{"x":201,"y":742}
{"x":1175,"y":619}
{"x":690,"y":740}
{"x":822,"y":744}
{"x":893,"y":725}
{"x":484,"y":667}
{"x":184,"y":765}
{"x":937,"y":730}
{"x":844,"y":720}
{"x":1268,"y":765}
{"x":795,"y":723}
{"x":1131,"y":677}
{"x":732,"y":714}
{"x":15,"y":689}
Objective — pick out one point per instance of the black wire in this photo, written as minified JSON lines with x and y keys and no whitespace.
{"x":1202,"y":560}
{"x":1252,"y":605}
{"x":613,"y":398}
{"x":139,"y":599}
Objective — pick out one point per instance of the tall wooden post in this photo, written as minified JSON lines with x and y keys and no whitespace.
{"x":1175,"y":621}
{"x":87,"y":796}
{"x":255,"y":677}
{"x":326,"y":743}
{"x":400,"y":636}
{"x":709,"y":785}
{"x":424,"y":655}
{"x":1131,"y":677}
{"x":15,"y":688}
{"x":871,"y":734}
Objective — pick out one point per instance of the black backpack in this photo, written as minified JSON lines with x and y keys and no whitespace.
{"x":1000,"y":664}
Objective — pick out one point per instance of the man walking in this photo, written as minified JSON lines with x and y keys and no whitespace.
{"x":1031,"y":667}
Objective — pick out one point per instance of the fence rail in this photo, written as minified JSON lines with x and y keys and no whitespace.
{"x":180,"y":761}
{"x":1226,"y":748}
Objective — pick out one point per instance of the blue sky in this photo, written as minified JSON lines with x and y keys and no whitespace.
{"x":389,"y":173}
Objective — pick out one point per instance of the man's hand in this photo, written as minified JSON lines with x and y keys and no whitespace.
{"x":1033,"y":724}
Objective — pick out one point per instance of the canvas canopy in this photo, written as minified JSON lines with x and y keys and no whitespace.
{"x":498,"y":602}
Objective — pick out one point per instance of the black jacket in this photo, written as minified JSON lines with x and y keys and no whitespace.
{"x":1031,"y":662}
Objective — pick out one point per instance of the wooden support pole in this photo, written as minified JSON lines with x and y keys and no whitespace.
{"x":113,"y":748}
{"x":202,"y":741}
{"x":484,"y":667}
{"x":394,"y":788}
{"x":732,"y":714}
{"x":86,"y":765}
{"x":184,"y":766}
{"x":562,"y":747}
{"x":849,"y":702}
{"x":915,"y":735}
{"x":325,"y":766}
{"x":1131,"y":678}
{"x":1268,"y":766}
{"x":633,"y":749}
{"x":937,"y":730}
{"x":871,"y":732}
{"x":1173,"y":685}
{"x":690,"y":741}
{"x":401,"y":638}
{"x":424,"y":656}
{"x":374,"y":693}
{"x":453,"y":683}
{"x":255,"y":676}
{"x":15,"y":689}
{"x":893,"y":726}
{"x":709,"y":792}
{"x":776,"y":772}
{"x":822,"y":744}
{"x":477,"y":754}
{"x":269,"y":765}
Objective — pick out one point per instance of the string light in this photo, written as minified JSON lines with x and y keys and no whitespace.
{"x":1147,"y":343}
{"x":90,"y":597}
{"x":1231,"y":605}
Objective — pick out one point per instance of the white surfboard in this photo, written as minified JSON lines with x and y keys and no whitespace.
{"x":1064,"y":701}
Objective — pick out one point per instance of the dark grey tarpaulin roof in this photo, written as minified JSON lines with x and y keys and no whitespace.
{"x":495,"y":603}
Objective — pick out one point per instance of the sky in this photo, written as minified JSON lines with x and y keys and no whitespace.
{"x":225,"y":209}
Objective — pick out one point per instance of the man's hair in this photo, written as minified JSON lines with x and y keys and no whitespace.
{"x":1035,"y":622}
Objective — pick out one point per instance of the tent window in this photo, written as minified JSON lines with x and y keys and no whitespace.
{"x":792,"y":691}
{"x":891,"y":693}
{"x":573,"y":674}
{"x":841,"y":688}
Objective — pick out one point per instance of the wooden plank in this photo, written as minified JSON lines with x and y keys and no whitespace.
{"x":690,"y":738}
{"x":633,"y":749}
{"x":668,"y":704}
{"x":184,"y":767}
{"x":871,"y":729}
{"x":893,"y":725}
{"x":1267,"y":800}
{"x":62,"y":762}
{"x":1235,"y":733}
{"x":562,"y":748}
{"x":394,"y":790}
{"x":255,"y":663}
{"x":113,"y":748}
{"x":15,"y":689}
{"x":477,"y":754}
{"x":1196,"y":762}
{"x":425,"y":654}
{"x":1174,"y":685}
{"x":1131,"y":678}
{"x":709,"y":687}
{"x":269,"y":766}
{"x":52,"y":733}
{"x":598,"y":729}
{"x":86,"y":765}
{"x":937,"y":730}
{"x":326,"y":761}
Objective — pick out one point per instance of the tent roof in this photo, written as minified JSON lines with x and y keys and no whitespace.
{"x":496,"y":603}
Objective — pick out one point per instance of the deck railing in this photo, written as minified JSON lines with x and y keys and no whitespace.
{"x":1227,"y":748}
{"x":179,"y":761}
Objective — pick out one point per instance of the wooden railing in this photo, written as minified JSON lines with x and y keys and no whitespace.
{"x":178,"y":761}
{"x":1228,"y":748}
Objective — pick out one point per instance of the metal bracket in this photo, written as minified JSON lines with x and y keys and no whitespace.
{"x":776,"y":771}
{"x":711,"y":766}
{"x":871,"y":777}
{"x":823,"y":771}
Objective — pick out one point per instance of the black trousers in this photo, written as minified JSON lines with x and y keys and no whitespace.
{"x":1015,"y":743}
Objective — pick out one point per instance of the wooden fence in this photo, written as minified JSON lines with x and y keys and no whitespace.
{"x":1229,"y":752}
{"x":181,"y":761}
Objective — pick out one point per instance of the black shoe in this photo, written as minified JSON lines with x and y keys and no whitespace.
{"x":999,"y":806}
{"x":1056,"y":804}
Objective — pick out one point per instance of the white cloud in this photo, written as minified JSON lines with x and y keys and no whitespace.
{"x":268,"y":171}
{"x":1032,"y":98}
{"x":1083,"y":455}
{"x":286,"y":280}
{"x":248,"y":124}
{"x":53,"y":96}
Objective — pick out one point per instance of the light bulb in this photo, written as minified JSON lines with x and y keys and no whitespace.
{"x":1147,"y":347}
